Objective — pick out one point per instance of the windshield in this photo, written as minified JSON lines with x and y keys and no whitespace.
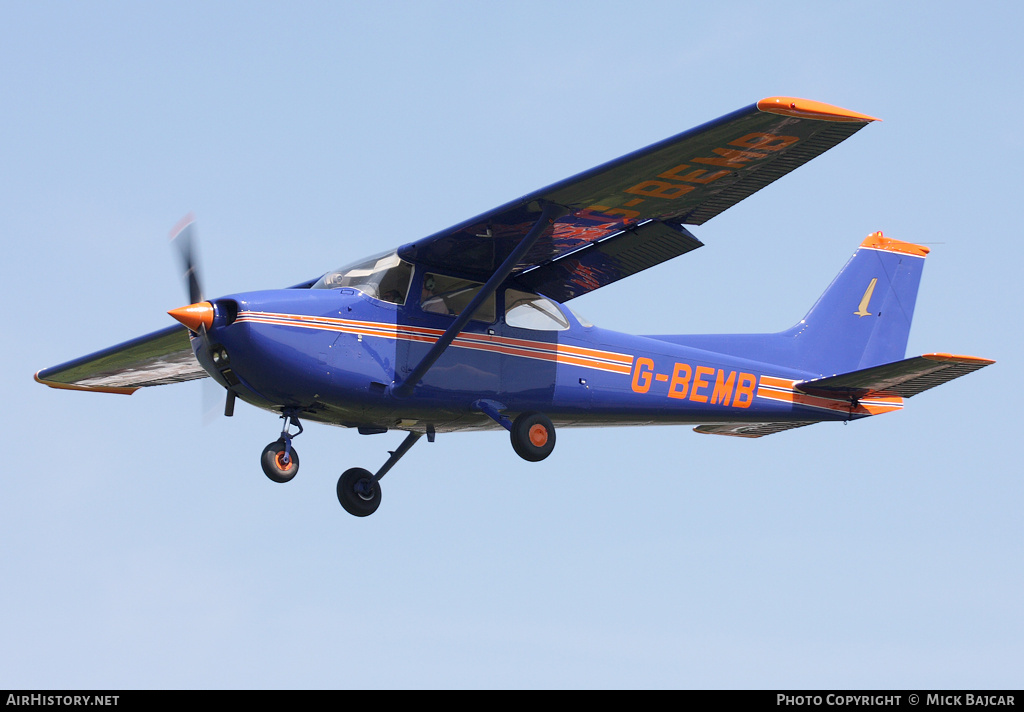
{"x":385,"y":277}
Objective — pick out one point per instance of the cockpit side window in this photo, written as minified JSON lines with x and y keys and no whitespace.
{"x":450,"y":295}
{"x":530,"y":311}
{"x":385,"y":277}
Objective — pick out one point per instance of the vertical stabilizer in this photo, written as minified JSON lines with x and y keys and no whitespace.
{"x":863,"y":318}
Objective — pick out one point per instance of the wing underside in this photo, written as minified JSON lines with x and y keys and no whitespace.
{"x":628,"y":214}
{"x":155,"y":359}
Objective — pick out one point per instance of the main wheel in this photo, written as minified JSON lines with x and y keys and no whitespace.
{"x":358,"y":492}
{"x":276,"y":465}
{"x":533,"y":436}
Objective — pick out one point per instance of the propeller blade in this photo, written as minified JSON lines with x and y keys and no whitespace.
{"x":183,"y":236}
{"x":198,"y":314}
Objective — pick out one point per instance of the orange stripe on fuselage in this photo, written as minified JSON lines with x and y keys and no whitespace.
{"x":783,"y":390}
{"x":539,"y":350}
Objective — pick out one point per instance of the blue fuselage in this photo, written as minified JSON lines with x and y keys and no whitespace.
{"x":334,"y":355}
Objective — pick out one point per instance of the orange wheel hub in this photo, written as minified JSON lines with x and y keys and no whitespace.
{"x":538,"y":435}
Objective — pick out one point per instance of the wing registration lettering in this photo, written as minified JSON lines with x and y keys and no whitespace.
{"x":752,"y":147}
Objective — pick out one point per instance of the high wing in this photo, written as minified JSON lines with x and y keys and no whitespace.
{"x":155,"y":359}
{"x":628,"y":214}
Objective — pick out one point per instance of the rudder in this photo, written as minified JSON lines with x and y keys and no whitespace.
{"x":863,"y":318}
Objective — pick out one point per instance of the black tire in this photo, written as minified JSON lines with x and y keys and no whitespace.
{"x":533,"y":436}
{"x":273,"y":463}
{"x":358,"y":492}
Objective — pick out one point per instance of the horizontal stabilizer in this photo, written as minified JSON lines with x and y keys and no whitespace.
{"x":902,"y":378}
{"x":155,"y":359}
{"x":750,"y":430}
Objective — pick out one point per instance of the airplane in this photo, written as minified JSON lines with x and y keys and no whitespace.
{"x":469,"y":328}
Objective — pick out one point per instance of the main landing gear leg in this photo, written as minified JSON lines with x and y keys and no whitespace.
{"x":359,"y":491}
{"x":280,"y":461}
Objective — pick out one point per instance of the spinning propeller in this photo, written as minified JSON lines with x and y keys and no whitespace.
{"x":198,"y":315}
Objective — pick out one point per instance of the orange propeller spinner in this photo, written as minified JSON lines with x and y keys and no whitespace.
{"x":194,"y":316}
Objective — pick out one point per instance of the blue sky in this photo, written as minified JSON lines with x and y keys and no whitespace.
{"x":143,"y":548}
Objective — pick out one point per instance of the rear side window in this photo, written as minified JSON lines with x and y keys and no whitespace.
{"x":530,"y":311}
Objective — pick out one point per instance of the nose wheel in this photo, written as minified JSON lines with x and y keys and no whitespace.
{"x":278,"y":464}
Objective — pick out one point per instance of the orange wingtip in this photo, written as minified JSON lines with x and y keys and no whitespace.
{"x":957,"y":358}
{"x":878,"y":241}
{"x":807,"y":109}
{"x":126,"y":391}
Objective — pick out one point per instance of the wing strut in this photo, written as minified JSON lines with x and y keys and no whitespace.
{"x":549,"y":213}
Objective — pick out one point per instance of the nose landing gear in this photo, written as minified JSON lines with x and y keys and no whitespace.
{"x":279,"y":460}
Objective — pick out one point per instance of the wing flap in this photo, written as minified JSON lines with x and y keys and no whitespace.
{"x":750,"y":430}
{"x":155,"y":359}
{"x":686,"y":179}
{"x":901,"y":378}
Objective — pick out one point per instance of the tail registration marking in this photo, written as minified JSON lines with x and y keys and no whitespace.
{"x":696,"y":384}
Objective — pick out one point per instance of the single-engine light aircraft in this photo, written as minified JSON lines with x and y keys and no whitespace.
{"x":468,"y":329}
